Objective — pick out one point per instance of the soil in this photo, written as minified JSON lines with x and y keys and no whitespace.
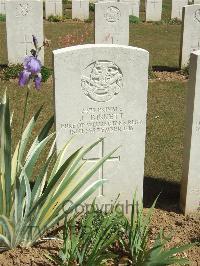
{"x":185,"y":229}
{"x":169,"y":76}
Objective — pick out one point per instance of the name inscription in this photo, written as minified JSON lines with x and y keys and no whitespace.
{"x":102,"y":120}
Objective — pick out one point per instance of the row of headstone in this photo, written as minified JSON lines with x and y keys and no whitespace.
{"x":25,"y":18}
{"x":80,"y":8}
{"x":113,"y":29}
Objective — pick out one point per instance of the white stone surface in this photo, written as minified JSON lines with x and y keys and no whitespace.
{"x":177,"y":6}
{"x":80,"y":9}
{"x":190,"y":33}
{"x":153,"y":10}
{"x":105,"y":96}
{"x":24,"y":18}
{"x":134,"y":7}
{"x":190,"y":185}
{"x":53,"y":7}
{"x":196,"y":2}
{"x":112,"y":23}
{"x":2,"y":7}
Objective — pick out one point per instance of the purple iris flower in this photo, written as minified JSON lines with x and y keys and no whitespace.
{"x":32,"y":68}
{"x":32,"y":64}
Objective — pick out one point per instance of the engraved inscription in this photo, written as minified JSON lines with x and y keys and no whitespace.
{"x":195,"y":42}
{"x":112,"y":14}
{"x":197,"y":15}
{"x":197,"y":126}
{"x":22,"y":10}
{"x":27,"y":43}
{"x":101,"y":81}
{"x":102,"y":120}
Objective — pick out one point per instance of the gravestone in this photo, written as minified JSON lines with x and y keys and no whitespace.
{"x":190,"y":33}
{"x":2,"y":7}
{"x":196,"y":2}
{"x":177,"y":7}
{"x":190,"y":185}
{"x":53,"y":7}
{"x":105,"y":96}
{"x":24,"y":18}
{"x":80,"y":9}
{"x":153,"y":10}
{"x":111,"y":23}
{"x":134,"y":7}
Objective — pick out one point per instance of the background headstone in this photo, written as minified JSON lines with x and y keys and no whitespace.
{"x":177,"y":7}
{"x":190,"y":185}
{"x":80,"y":9}
{"x":153,"y":10}
{"x":105,"y":96}
{"x":2,"y":7}
{"x":134,"y":7}
{"x":111,"y":23}
{"x":190,"y":33}
{"x":24,"y":18}
{"x":196,"y":1}
{"x":53,"y":7}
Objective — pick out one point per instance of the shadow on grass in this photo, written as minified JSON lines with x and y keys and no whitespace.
{"x":165,"y":68}
{"x":169,"y":194}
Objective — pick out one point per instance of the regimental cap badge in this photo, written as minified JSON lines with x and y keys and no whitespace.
{"x":102,"y":80}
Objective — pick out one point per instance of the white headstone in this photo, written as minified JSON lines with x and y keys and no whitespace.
{"x":53,"y":7}
{"x":105,"y":96}
{"x":190,"y":33}
{"x":24,"y":18}
{"x":111,"y":23}
{"x":2,"y":7}
{"x":80,"y":9}
{"x":196,"y":2}
{"x":153,"y":10}
{"x":190,"y":185}
{"x":177,"y":6}
{"x":134,"y":7}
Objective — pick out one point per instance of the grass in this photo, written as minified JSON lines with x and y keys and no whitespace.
{"x":165,"y":123}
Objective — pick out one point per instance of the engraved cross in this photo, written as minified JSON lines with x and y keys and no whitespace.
{"x":154,"y":2}
{"x":3,"y":5}
{"x":180,"y":10}
{"x":101,"y":169}
{"x":26,"y":42}
{"x":196,"y":43}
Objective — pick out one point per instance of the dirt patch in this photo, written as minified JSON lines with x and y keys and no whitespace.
{"x":31,"y":256}
{"x":185,"y":229}
{"x":169,"y":76}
